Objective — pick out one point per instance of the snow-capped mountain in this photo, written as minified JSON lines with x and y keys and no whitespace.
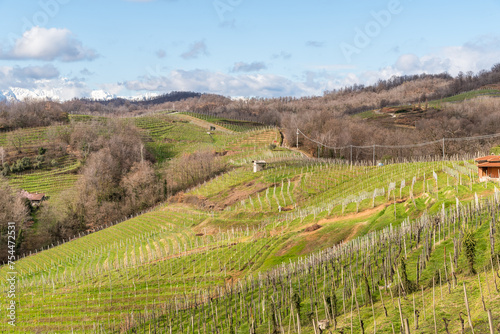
{"x":14,"y":94}
{"x":143,"y":97}
{"x":20,"y":94}
{"x":100,"y":95}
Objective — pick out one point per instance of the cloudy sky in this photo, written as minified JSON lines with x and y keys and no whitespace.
{"x":238,"y":47}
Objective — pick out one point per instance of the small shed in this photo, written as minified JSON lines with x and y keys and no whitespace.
{"x":258,"y":165}
{"x":35,"y":198}
{"x":488,"y":167}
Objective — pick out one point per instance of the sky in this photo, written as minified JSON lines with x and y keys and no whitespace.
{"x":238,"y":48}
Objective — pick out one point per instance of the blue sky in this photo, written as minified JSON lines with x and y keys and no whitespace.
{"x":238,"y":47}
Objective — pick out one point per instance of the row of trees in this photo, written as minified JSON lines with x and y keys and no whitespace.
{"x":31,"y":114}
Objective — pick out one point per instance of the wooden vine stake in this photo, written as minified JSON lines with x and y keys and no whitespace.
{"x":490,"y":322}
{"x":468,"y":309}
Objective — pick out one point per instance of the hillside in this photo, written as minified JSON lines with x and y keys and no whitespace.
{"x":280,"y":250}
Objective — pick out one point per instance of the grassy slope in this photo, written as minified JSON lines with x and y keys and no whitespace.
{"x":178,"y":250}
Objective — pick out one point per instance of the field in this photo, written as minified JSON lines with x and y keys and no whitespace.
{"x":279,"y":251}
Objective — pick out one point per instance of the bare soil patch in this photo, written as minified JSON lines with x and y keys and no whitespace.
{"x":312,"y":228}
{"x":242,"y":193}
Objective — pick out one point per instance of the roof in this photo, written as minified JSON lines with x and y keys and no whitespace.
{"x":489,"y":164}
{"x":488,"y":158}
{"x":31,"y":196}
{"x":259,"y":162}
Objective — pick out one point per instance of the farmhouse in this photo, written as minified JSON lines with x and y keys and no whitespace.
{"x":35,"y":198}
{"x":489,"y":167}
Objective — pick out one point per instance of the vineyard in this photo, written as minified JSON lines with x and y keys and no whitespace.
{"x":304,"y":246}
{"x":230,"y":124}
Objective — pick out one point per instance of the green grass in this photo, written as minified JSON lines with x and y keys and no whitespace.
{"x":466,"y":96}
{"x":231,"y":124}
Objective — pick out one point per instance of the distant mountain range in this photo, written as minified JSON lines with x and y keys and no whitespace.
{"x":14,"y":94}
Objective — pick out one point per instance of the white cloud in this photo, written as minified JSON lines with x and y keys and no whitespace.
{"x":86,"y":72}
{"x":160,"y":53}
{"x":479,"y":54}
{"x":333,"y":67}
{"x":195,"y":50}
{"x":476,"y":55}
{"x":40,"y":81}
{"x":315,"y":44}
{"x":265,"y":85}
{"x":282,"y":54}
{"x":25,"y":76}
{"x":48,"y":44}
{"x":249,"y":67}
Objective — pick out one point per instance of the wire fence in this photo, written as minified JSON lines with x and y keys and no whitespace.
{"x":374,"y":147}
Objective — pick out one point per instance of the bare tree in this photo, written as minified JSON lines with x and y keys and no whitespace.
{"x":2,"y":155}
{"x":16,"y":139}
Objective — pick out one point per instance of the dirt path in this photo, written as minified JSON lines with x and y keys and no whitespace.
{"x":359,"y":215}
{"x":203,"y":124}
{"x":354,"y":231}
{"x":355,"y":215}
{"x":285,"y":140}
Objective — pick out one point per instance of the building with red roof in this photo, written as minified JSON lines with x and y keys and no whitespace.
{"x":35,"y":198}
{"x":489,"y":167}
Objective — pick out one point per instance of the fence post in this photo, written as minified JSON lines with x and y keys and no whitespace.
{"x":351,"y":155}
{"x":443,"y":148}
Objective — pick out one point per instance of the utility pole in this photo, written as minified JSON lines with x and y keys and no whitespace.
{"x":443,"y":148}
{"x":374,"y":155}
{"x":351,"y":155}
{"x":297,"y":138}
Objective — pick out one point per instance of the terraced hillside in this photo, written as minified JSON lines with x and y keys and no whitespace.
{"x":275,"y":251}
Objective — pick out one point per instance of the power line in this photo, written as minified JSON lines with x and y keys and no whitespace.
{"x":399,"y":146}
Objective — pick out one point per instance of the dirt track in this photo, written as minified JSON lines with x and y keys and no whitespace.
{"x":204,"y":124}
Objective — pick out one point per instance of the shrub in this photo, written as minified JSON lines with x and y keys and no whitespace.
{"x":495,"y":150}
{"x":21,"y":165}
{"x":469,"y":244}
{"x":6,"y":169}
{"x":272,"y":146}
{"x":296,"y":302}
{"x":408,"y":285}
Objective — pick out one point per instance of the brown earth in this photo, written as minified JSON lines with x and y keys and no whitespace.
{"x":312,"y":228}
{"x":236,"y":195}
{"x":203,"y":124}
